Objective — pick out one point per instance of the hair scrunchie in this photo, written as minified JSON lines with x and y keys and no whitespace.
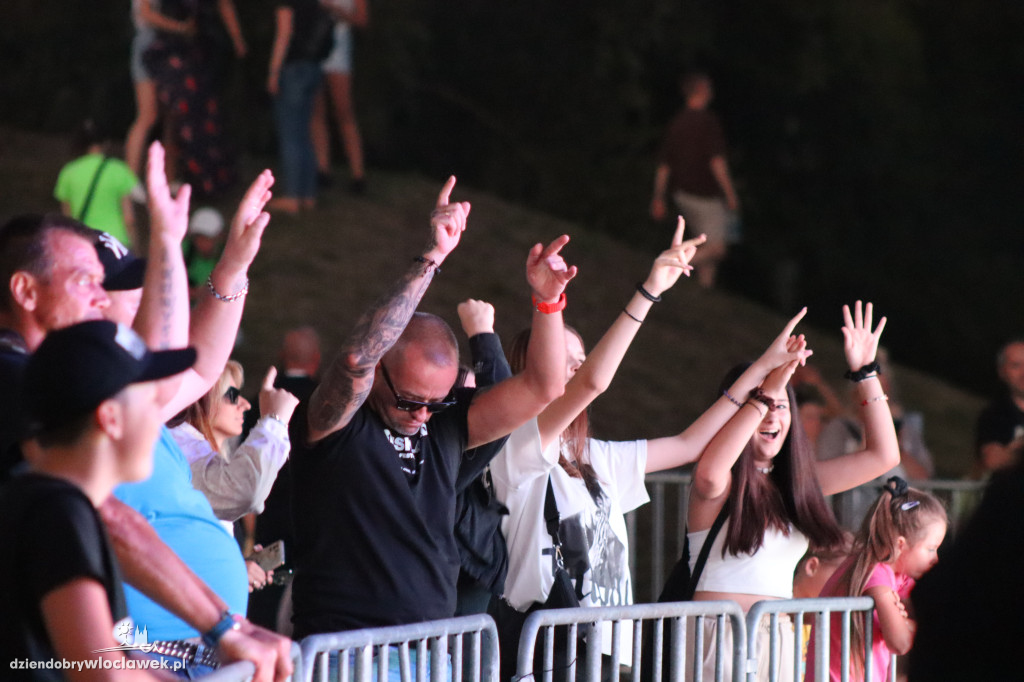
{"x":896,"y":487}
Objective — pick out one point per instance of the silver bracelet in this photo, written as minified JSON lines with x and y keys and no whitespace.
{"x":227,"y":299}
{"x":274,"y":416}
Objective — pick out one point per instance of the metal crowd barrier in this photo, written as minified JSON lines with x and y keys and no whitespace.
{"x":822,"y":609}
{"x":656,"y":529}
{"x":243,"y":671}
{"x":372,"y":648}
{"x":598,"y":620}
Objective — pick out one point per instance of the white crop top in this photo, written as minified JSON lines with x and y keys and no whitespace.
{"x":768,"y":572}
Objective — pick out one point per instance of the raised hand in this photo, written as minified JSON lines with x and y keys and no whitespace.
{"x":860,"y":343}
{"x":547,"y":272}
{"x":168,"y":215}
{"x":785,"y":347}
{"x":775,"y":383}
{"x":447,"y":223}
{"x":276,"y":401}
{"x":248,"y":223}
{"x":673,"y":262}
{"x":477,"y":317}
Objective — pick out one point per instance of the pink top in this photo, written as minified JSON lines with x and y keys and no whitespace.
{"x":881,"y":574}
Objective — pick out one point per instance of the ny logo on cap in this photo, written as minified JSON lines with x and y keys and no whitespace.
{"x":113,"y":245}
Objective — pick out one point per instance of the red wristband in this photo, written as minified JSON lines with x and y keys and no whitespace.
{"x":548,"y":308}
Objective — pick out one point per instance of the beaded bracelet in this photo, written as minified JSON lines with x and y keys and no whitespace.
{"x":732,"y":400}
{"x":877,"y":398}
{"x":227,"y":299}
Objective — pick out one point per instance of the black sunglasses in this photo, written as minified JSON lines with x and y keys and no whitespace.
{"x":232,"y":395}
{"x":407,"y":405}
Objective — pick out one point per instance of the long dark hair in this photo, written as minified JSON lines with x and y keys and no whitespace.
{"x":789,"y":494}
{"x":576,"y":438}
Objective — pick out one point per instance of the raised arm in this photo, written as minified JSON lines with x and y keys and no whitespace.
{"x":596,"y":373}
{"x":882,"y":450}
{"x":712,"y":477}
{"x":686,"y":447}
{"x":162,"y":320}
{"x":489,"y":363}
{"x":348,"y":379}
{"x":506,"y":406}
{"x":240,"y":483}
{"x":219,"y":308}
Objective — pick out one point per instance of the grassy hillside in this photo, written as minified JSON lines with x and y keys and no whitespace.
{"x":324,"y":268}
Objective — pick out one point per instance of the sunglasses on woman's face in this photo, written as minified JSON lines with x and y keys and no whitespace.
{"x":232,"y":395}
{"x":408,"y":405}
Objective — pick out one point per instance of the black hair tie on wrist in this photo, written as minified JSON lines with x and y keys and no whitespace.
{"x":866,"y":372}
{"x":646,"y":294}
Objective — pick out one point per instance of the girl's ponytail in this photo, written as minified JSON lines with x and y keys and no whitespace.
{"x":900,"y":511}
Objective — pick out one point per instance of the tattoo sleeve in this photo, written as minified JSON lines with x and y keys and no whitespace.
{"x":349,"y":378}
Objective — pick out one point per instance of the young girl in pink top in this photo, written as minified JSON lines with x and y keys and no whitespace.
{"x":897,"y":544}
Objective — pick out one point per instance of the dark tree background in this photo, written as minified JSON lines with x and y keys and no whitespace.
{"x":877,"y":145}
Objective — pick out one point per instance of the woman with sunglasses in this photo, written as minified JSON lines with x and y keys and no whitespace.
{"x":236,"y":483}
{"x":594,"y":482}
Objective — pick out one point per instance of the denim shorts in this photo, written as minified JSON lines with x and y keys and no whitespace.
{"x":144,"y":37}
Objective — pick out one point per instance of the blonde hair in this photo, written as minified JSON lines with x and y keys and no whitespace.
{"x":200,"y":414}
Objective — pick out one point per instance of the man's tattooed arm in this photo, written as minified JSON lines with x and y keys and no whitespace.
{"x":348,"y":379}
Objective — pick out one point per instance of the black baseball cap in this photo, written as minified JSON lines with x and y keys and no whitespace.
{"x":78,"y":367}
{"x":122,"y":270}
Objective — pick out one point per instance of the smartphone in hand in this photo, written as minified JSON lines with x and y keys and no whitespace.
{"x":270,"y":557}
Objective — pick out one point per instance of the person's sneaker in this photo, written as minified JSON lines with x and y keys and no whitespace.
{"x":358,"y":186}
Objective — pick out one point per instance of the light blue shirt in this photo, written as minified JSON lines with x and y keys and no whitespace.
{"x":184,"y":520}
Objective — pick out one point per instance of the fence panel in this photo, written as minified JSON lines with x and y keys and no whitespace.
{"x":656,"y":529}
{"x":441,"y":644}
{"x":598,"y":623}
{"x":822,"y":609}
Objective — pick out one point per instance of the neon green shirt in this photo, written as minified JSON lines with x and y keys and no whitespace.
{"x":116,"y":182}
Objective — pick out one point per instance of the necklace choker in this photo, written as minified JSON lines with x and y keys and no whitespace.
{"x":766,"y":470}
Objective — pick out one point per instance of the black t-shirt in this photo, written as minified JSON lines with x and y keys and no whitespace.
{"x":51,"y":535}
{"x":13,"y":360}
{"x":693,"y":139}
{"x":999,"y":422}
{"x":372,"y":547}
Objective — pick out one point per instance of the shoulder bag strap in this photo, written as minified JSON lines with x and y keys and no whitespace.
{"x":705,"y":549}
{"x":92,"y":189}
{"x":551,"y":515}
